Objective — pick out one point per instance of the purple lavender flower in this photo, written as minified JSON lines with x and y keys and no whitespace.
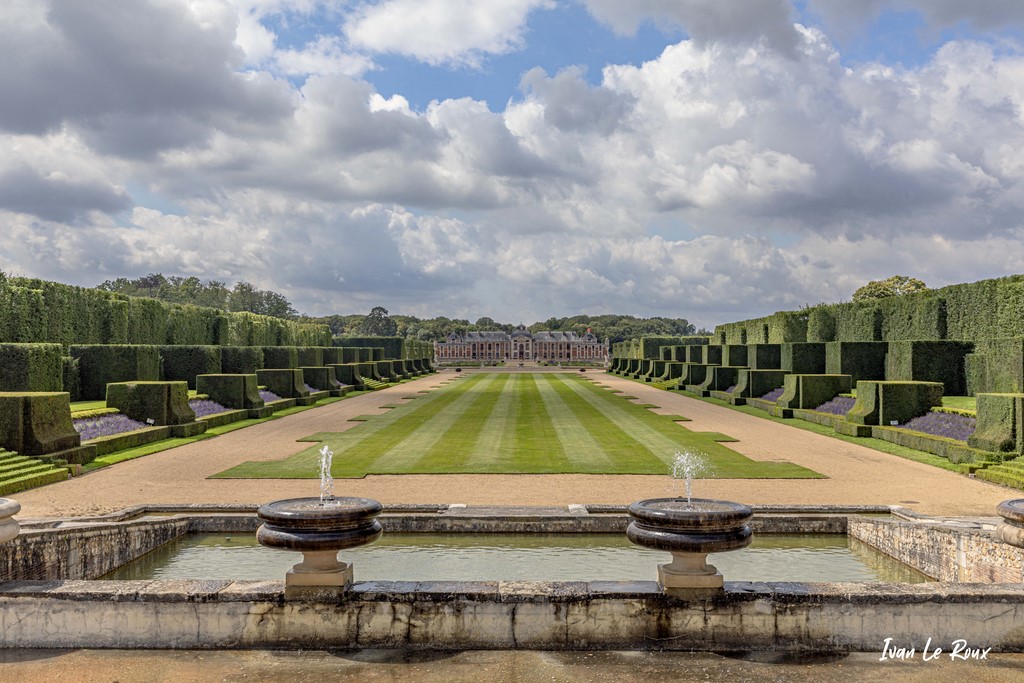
{"x":773,"y":395}
{"x":949,"y":425}
{"x":310,"y":389}
{"x":106,"y":425}
{"x":840,"y":405}
{"x":203,"y":407}
{"x":731,"y":389}
{"x":269,"y":396}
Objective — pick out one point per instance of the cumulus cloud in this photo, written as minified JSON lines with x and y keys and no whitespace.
{"x":704,"y":20}
{"x":844,"y":16}
{"x":442,"y":31}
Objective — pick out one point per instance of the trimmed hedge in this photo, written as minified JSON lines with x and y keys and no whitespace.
{"x":882,"y":403}
{"x":348,"y":373}
{"x":240,"y":360}
{"x":1000,"y":426}
{"x":757,"y":383}
{"x":33,"y":310}
{"x":330,"y":355}
{"x":394,"y":347}
{"x":285,"y":382}
{"x":278,"y":357}
{"x":929,"y":361}
{"x":802,"y":358}
{"x":807,"y":392}
{"x":105,"y":445}
{"x":310,"y":357}
{"x":184,"y":363}
{"x":165,"y":403}
{"x":37,"y":423}
{"x":366,"y":355}
{"x":102,"y":364}
{"x":734,"y":355}
{"x":237,"y":391}
{"x":951,"y":449}
{"x":764,"y":356}
{"x":996,"y":366}
{"x":320,"y":378}
{"x":31,"y":367}
{"x":712,"y":355}
{"x":860,"y":360}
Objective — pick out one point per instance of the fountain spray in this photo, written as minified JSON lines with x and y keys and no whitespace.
{"x":326,"y":480}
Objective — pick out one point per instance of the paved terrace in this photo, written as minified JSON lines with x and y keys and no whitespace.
{"x":856,"y":475}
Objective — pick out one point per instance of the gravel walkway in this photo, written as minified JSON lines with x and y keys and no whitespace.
{"x":857,"y":475}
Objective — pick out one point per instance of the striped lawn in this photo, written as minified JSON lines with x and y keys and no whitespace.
{"x":516,"y":423}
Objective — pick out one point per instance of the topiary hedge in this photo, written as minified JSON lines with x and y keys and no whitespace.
{"x":764,"y":356}
{"x":285,"y":382}
{"x":393,"y":346}
{"x":712,"y":355}
{"x":734,"y":355}
{"x":31,"y":367}
{"x":278,"y":357}
{"x":860,"y":360}
{"x":802,"y":358}
{"x":996,"y":366}
{"x":348,"y":373}
{"x":155,"y":403}
{"x":929,"y":361}
{"x":1000,"y":426}
{"x":240,"y":360}
{"x":807,"y":392}
{"x":884,"y":403}
{"x":102,"y":364}
{"x":184,"y":363}
{"x":757,"y":383}
{"x":37,"y":423}
{"x":320,"y":378}
{"x":310,"y":356}
{"x":237,"y":391}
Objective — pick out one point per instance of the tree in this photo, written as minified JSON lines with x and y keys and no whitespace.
{"x":897,"y":285}
{"x":378,"y":324}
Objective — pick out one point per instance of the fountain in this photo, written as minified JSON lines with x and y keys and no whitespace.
{"x":1011,"y":529}
{"x":8,"y":525}
{"x":689,"y":528}
{"x":319,"y":528}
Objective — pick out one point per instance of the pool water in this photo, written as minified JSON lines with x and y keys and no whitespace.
{"x":521,"y":557}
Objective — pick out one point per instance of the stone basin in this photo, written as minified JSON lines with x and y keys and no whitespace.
{"x":8,"y":525}
{"x":319,"y":530}
{"x":689,"y":530}
{"x":1011,"y":529}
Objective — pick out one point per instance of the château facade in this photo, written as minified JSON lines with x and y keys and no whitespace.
{"x":521,"y":345}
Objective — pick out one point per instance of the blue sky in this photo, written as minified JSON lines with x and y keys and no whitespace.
{"x":518,"y":159}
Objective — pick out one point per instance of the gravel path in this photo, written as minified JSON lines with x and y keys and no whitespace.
{"x":857,"y":475}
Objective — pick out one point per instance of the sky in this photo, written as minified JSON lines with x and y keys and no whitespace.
{"x":519,"y":159}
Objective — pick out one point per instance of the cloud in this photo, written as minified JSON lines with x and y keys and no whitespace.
{"x":845,"y":17}
{"x":457,"y":32}
{"x":704,"y":20}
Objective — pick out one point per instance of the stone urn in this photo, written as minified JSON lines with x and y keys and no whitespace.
{"x":319,"y":530}
{"x":689,"y":530}
{"x":1011,"y":529}
{"x":8,"y":525}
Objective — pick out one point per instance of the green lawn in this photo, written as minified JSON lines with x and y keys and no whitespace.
{"x":516,"y":423}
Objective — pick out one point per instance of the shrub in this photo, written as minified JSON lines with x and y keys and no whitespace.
{"x":929,"y":361}
{"x":310,"y":356}
{"x":887,"y":402}
{"x":1000,"y":423}
{"x":807,"y":392}
{"x":31,"y":367}
{"x":184,"y":363}
{"x":101,"y":364}
{"x":278,"y":357}
{"x":238,"y":391}
{"x":764,"y":356}
{"x":285,"y":382}
{"x":241,"y":360}
{"x":393,"y":346}
{"x":165,"y":403}
{"x":860,"y":360}
{"x":36,"y":423}
{"x":803,"y":358}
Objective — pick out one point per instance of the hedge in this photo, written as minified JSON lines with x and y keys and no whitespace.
{"x":36,"y":423}
{"x":712,"y":355}
{"x":393,"y":346}
{"x":237,"y":391}
{"x":757,"y":383}
{"x":348,"y":373}
{"x":807,"y":392}
{"x":734,"y":355}
{"x":951,"y":449}
{"x":929,"y":361}
{"x":694,"y":374}
{"x":764,"y":356}
{"x":802,"y":358}
{"x":320,"y":378}
{"x":31,"y":367}
{"x":1000,"y":426}
{"x":33,"y":310}
{"x":241,"y":360}
{"x":155,"y":403}
{"x":310,"y":357}
{"x":285,"y":382}
{"x":996,"y":366}
{"x":184,"y":363}
{"x":277,"y":357}
{"x":330,"y":355}
{"x":101,"y":364}
{"x":882,"y":403}
{"x":860,"y":360}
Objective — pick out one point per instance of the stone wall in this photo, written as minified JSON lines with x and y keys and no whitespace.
{"x":507,"y":615}
{"x":946,"y":553}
